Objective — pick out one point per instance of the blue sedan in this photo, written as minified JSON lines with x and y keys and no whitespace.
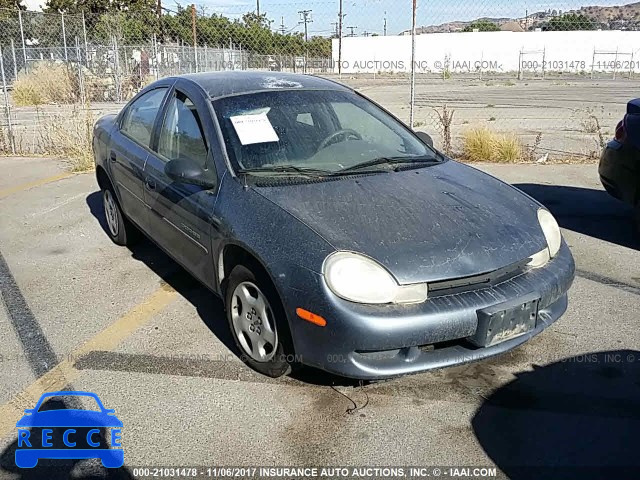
{"x":338,"y":237}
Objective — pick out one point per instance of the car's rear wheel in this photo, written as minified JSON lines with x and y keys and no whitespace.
{"x":120,"y":229}
{"x":257,"y":323}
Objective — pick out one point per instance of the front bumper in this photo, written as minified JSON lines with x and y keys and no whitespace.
{"x":372,"y":342}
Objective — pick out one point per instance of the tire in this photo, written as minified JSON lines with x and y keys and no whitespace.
{"x":257,"y":322}
{"x":120,"y":229}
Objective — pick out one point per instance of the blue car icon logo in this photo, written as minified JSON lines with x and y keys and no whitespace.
{"x":69,"y":433}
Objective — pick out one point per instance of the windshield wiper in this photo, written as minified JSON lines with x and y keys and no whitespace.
{"x":287,"y":169}
{"x":302,"y":171}
{"x":391,"y":161}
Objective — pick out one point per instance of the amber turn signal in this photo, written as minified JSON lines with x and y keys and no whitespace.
{"x":311,"y":317}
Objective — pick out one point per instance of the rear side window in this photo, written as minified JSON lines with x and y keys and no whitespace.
{"x":137,"y":122}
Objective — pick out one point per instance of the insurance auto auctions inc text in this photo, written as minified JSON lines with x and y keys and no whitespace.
{"x":354,"y":472}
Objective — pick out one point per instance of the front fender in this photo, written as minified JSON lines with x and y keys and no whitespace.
{"x":290,"y":252}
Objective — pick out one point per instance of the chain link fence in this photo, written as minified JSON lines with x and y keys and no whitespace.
{"x":550,"y":79}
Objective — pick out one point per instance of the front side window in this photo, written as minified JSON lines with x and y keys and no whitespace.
{"x":181,"y":135}
{"x":137,"y":122}
{"x":325,"y":130}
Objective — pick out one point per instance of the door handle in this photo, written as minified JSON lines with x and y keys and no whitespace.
{"x":112,"y":156}
{"x":150,"y":184}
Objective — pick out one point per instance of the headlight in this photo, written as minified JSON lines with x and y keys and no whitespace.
{"x":553,"y":237}
{"x":551,"y":231}
{"x":360,"y":279}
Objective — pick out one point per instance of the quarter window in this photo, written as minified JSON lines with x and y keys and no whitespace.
{"x":182,"y":136}
{"x":137,"y":122}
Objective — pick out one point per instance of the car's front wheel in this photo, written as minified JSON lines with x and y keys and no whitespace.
{"x":120,"y":229}
{"x":257,"y":323}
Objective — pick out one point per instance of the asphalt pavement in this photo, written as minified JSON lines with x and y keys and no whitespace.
{"x":80,"y":312}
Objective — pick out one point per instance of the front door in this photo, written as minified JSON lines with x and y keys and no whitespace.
{"x":180,"y":218}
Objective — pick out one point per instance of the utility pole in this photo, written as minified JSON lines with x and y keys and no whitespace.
{"x":385,"y":24}
{"x":335,"y":26}
{"x":282,"y":29}
{"x":258,"y":7}
{"x":160,"y":26}
{"x":352,"y":29}
{"x":340,"y":18}
{"x":365,"y":34}
{"x":305,"y":16}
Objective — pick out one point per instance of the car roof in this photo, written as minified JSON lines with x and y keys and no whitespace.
{"x":220,"y":84}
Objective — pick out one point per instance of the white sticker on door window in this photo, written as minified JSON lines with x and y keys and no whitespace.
{"x":254,"y":129}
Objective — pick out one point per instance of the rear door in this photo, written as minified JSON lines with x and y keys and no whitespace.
{"x":128,"y":151}
{"x":180,"y":214}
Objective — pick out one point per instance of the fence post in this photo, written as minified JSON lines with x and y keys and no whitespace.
{"x":64,"y":39}
{"x":413,"y":65}
{"x":116,"y":70}
{"x":13,"y":56}
{"x":24,"y":46}
{"x":7,"y":108}
{"x":155,"y":56}
{"x":520,"y":64}
{"x":86,"y":45}
{"x":80,"y":78}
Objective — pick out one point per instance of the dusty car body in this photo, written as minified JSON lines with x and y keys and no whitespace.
{"x":619,"y":167}
{"x":368,"y":269}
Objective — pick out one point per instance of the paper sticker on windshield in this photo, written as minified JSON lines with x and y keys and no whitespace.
{"x":254,"y":129}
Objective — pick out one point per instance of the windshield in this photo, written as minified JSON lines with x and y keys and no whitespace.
{"x":315,"y":130}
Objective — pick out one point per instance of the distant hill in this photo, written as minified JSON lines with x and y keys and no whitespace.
{"x":622,"y":17}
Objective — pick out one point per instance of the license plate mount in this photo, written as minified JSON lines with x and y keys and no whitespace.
{"x":506,"y":321}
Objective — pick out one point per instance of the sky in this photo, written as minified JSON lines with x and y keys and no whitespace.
{"x":369,"y":15}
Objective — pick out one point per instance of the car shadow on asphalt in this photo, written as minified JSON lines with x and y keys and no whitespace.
{"x":61,"y":469}
{"x":578,"y":418}
{"x":209,"y":307}
{"x":588,"y":211}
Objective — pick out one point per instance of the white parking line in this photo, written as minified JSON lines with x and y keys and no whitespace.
{"x":61,"y":204}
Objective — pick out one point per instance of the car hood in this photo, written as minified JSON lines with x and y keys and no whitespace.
{"x":434,"y":223}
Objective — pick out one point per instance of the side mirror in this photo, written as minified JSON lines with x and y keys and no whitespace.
{"x":425,"y":137}
{"x":187,"y":171}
